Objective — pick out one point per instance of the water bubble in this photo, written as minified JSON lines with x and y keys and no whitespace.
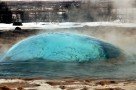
{"x":62,"y":47}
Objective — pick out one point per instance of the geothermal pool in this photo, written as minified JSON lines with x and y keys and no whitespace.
{"x":92,"y":57}
{"x":62,"y":47}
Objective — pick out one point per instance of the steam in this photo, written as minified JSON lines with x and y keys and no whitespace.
{"x":126,"y":10}
{"x":123,"y":3}
{"x":117,"y":3}
{"x":124,"y":38}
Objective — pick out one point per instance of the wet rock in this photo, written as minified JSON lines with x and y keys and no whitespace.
{"x":5,"y":88}
{"x":105,"y":82}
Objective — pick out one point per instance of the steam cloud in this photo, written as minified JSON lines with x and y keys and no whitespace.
{"x":123,"y":3}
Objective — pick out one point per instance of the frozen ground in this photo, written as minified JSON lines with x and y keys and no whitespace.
{"x":55,"y":25}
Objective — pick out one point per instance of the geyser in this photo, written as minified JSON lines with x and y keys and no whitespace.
{"x":64,"y":47}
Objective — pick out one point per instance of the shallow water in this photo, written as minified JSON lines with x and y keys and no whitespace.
{"x":53,"y":70}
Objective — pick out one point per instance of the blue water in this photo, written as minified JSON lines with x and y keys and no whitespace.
{"x":54,"y":70}
{"x":82,"y":57}
{"x":63,"y":47}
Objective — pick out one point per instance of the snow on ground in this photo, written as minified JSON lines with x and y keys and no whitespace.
{"x":56,"y":25}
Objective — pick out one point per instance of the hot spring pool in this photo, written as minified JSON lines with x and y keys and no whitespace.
{"x":58,"y":55}
{"x":62,"y":47}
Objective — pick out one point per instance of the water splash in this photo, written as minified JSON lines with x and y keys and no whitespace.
{"x":64,"y":47}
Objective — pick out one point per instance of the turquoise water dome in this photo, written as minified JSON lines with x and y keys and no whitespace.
{"x":64,"y":47}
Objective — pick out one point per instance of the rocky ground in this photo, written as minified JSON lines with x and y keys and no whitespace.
{"x":66,"y":84}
